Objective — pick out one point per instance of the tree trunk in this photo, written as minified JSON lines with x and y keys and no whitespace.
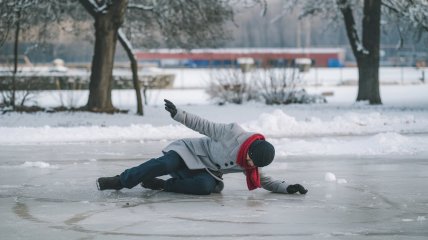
{"x":15,"y":58}
{"x":134,"y":69}
{"x":136,"y":83}
{"x":367,"y":51}
{"x":368,"y":64}
{"x":100,"y":86}
{"x":368,"y":83}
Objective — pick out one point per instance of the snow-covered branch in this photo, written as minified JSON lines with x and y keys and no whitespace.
{"x":125,"y":40}
{"x":140,"y":7}
{"x":101,"y":7}
{"x":415,"y":11}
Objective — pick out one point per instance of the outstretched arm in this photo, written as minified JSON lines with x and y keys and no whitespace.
{"x":278,"y":186}
{"x":196,"y":123}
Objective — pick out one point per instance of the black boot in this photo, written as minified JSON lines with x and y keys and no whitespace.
{"x":112,"y":183}
{"x":296,"y":188}
{"x":154,"y":184}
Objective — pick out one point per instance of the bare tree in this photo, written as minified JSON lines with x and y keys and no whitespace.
{"x":134,"y":68}
{"x":109,"y":17}
{"x":413,"y":14}
{"x":18,"y":16}
{"x":366,"y":46}
{"x":367,"y":51}
{"x":181,"y":23}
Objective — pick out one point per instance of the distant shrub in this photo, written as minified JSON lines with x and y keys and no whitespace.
{"x":10,"y":97}
{"x":231,"y":86}
{"x":294,"y":96}
{"x":281,"y":86}
{"x":273,"y":86}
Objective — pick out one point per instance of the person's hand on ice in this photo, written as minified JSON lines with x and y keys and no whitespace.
{"x":294,"y":188}
{"x":170,"y":107}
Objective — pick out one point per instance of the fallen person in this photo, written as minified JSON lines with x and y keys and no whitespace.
{"x":196,"y":165}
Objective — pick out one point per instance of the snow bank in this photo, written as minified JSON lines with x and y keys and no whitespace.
{"x":47,"y":134}
{"x":279,"y":124}
{"x":338,"y":128}
{"x":274,"y":125}
{"x":379,"y":144}
{"x":356,"y":133}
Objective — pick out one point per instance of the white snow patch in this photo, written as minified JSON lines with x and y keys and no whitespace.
{"x":38,"y":164}
{"x":421,"y":218}
{"x":27,"y":164}
{"x":329,"y":177}
{"x":341,"y":181}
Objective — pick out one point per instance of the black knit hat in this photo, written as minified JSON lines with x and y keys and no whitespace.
{"x":261,"y":152}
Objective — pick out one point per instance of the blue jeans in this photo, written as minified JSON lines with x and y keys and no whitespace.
{"x":183,"y":179}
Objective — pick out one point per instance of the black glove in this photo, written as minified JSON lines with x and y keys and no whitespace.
{"x":170,"y":107}
{"x":296,"y":188}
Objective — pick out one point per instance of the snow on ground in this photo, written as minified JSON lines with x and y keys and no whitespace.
{"x":31,"y":164}
{"x":341,"y":126}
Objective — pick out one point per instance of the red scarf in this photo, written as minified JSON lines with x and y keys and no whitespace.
{"x":253,"y":177}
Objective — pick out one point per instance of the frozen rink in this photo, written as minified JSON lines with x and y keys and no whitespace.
{"x":48,"y":191}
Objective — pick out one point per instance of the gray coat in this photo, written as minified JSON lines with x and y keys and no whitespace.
{"x":218,"y":151}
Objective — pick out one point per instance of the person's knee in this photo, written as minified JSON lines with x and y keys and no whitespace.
{"x":218,"y":187}
{"x":205,"y":187}
{"x":170,"y":162}
{"x":162,"y":166}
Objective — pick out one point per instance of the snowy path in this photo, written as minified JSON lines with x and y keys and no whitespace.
{"x":48,"y":192}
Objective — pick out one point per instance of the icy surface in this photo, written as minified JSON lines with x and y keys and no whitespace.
{"x":383,"y":199}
